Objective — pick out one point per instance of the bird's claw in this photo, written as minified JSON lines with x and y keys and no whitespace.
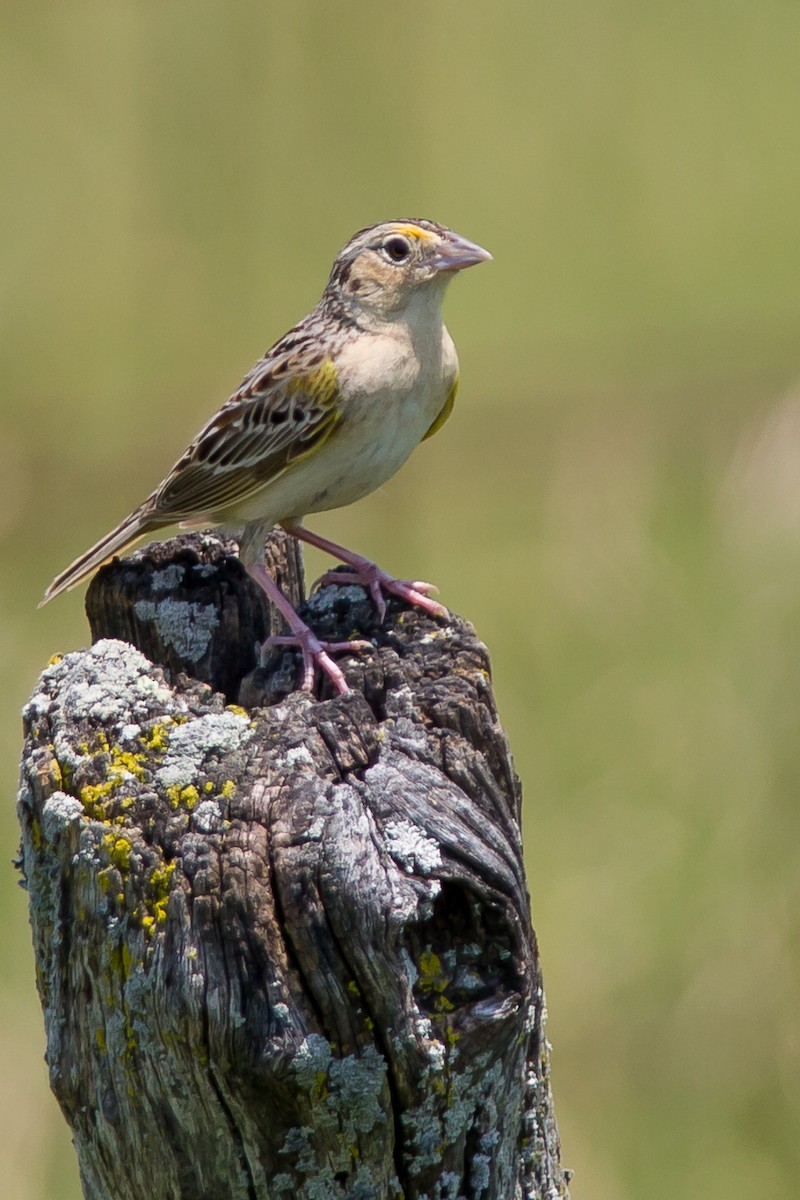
{"x":316,"y":655}
{"x":376,"y":582}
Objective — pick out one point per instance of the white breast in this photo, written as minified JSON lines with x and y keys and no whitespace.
{"x":394,"y":384}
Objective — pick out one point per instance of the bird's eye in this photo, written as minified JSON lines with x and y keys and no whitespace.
{"x":397,"y":248}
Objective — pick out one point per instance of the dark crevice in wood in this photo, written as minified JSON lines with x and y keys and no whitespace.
{"x":236,"y":1135}
{"x":294,"y":959}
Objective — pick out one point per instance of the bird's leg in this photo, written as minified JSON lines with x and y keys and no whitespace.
{"x":316,"y":654}
{"x":370,"y":576}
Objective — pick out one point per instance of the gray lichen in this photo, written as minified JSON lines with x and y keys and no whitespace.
{"x":184,"y":625}
{"x":357,"y":1083}
{"x":191,"y":745}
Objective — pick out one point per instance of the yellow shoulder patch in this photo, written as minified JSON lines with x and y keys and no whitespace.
{"x":320,"y":383}
{"x":444,"y":414}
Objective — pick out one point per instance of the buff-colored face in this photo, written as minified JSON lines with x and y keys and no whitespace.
{"x":383,"y":267}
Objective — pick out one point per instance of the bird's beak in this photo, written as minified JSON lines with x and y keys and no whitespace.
{"x":455,"y":253}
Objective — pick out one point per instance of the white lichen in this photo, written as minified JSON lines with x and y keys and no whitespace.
{"x":110,"y":684}
{"x":59,"y":811}
{"x":298,"y":754}
{"x":207,"y":817}
{"x":439,"y":635}
{"x":37,"y":707}
{"x":413,"y":850}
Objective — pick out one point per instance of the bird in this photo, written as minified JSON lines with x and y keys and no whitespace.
{"x":330,"y":412}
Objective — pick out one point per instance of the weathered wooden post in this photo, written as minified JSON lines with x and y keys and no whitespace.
{"x":283,"y":944}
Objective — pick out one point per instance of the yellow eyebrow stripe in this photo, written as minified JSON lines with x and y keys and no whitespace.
{"x":415,"y":231}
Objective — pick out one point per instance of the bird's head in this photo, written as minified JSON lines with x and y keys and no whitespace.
{"x":386,"y":268}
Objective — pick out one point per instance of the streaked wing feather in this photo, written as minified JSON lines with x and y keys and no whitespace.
{"x":253,"y":440}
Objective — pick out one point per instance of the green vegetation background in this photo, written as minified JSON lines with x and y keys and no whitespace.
{"x":615,"y":503}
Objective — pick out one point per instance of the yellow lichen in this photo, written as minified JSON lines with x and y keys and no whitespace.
{"x":93,"y":796}
{"x":120,"y":960}
{"x":429,"y":963}
{"x":186,"y":796}
{"x":158,"y":889}
{"x":37,"y":836}
{"x":433,"y":981}
{"x":122,"y":766}
{"x":54,"y":773}
{"x":431,"y":977}
{"x":157,"y":739}
{"x":123,"y":761}
{"x":190,"y":796}
{"x":119,"y":851}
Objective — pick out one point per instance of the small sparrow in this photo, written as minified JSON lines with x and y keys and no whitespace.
{"x":329,"y":413}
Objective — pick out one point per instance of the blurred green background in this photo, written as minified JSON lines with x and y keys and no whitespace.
{"x":615,"y":504}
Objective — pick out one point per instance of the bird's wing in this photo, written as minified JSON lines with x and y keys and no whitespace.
{"x":285,"y":410}
{"x":446,"y":409}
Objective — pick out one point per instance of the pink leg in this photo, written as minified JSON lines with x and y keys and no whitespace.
{"x":315,"y":656}
{"x":370,"y":576}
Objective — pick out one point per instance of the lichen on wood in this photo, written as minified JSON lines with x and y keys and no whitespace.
{"x":283,"y":943}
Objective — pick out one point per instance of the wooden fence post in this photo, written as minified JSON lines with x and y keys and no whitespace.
{"x":282,"y":951}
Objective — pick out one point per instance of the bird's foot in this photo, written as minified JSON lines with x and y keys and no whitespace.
{"x":316,"y":654}
{"x":376,"y":581}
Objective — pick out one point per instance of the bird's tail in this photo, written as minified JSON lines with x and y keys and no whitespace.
{"x":130,"y":530}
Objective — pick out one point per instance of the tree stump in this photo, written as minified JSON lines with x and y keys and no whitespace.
{"x":283,"y":943}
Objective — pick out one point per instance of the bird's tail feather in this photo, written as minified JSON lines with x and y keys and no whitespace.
{"x":130,"y":530}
